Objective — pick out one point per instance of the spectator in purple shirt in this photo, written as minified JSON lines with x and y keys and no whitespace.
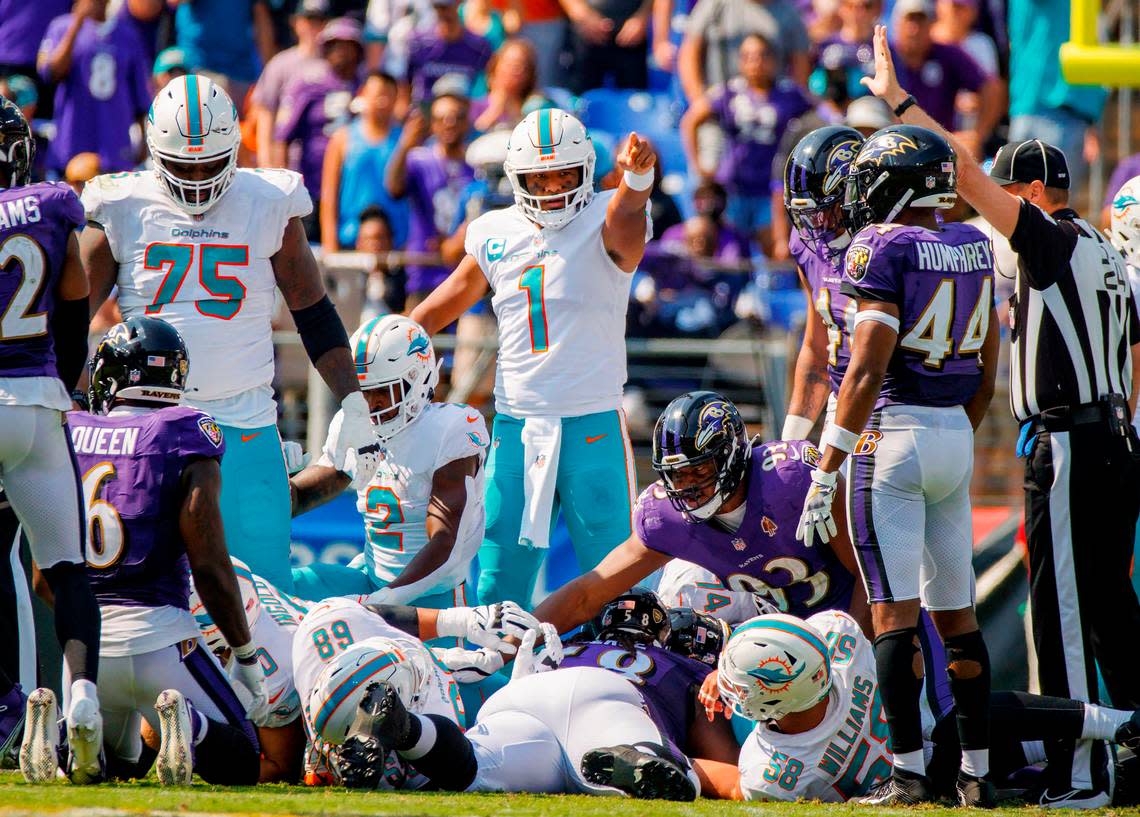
{"x":935,"y":73}
{"x":313,"y":108}
{"x":432,"y":176}
{"x":448,"y":48}
{"x":847,"y":56}
{"x":22,"y":27}
{"x":101,"y":69}
{"x":753,"y":109}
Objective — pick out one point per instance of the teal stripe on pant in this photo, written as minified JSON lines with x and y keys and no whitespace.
{"x":256,"y":509}
{"x":594,"y":491}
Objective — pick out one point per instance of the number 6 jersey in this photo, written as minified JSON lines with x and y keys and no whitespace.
{"x":209,"y":276}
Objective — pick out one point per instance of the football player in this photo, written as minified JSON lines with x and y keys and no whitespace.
{"x":559,"y":264}
{"x":687,"y":584}
{"x":151,"y":478}
{"x":204,"y":245}
{"x":615,"y":716}
{"x":43,"y":344}
{"x":423,"y":507}
{"x":920,"y":377}
{"x":821,"y":733}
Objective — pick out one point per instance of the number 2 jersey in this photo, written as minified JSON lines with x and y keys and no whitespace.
{"x":849,"y":751}
{"x":210,"y":276}
{"x":561,"y":302}
{"x":763,"y":556}
{"x":36,"y":222}
{"x":395,"y":502}
{"x":131,"y":463}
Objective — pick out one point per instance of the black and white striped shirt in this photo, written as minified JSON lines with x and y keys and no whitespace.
{"x":1074,"y":320}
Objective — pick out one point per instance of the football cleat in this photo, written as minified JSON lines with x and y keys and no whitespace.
{"x":39,"y":762}
{"x":12,"y":709}
{"x":975,"y":792}
{"x":902,"y":788}
{"x":175,"y":762}
{"x":1069,"y":797}
{"x":639,"y":774}
{"x":381,"y":724}
{"x":85,"y":764}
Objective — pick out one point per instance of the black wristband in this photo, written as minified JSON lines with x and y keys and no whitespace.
{"x":320,"y":328}
{"x":904,"y":105}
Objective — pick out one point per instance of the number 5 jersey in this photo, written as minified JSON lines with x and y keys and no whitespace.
{"x":210,"y":276}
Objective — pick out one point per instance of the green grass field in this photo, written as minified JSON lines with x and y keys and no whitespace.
{"x":18,"y":798}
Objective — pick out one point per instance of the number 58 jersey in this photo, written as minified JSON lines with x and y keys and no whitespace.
{"x":209,"y":276}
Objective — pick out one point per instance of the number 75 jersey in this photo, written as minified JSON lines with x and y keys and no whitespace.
{"x":209,"y":276}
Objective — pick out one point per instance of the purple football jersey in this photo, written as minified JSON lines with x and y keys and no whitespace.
{"x":837,"y":311}
{"x":311,"y":111}
{"x":753,"y":124}
{"x":764,"y":556}
{"x":433,"y":189}
{"x":665,"y":679}
{"x":430,"y":57}
{"x":35,"y":224}
{"x":106,"y":89}
{"x":942,"y":283}
{"x":22,"y":26}
{"x":133,"y":464}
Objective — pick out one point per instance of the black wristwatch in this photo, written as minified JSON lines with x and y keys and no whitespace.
{"x":904,"y":105}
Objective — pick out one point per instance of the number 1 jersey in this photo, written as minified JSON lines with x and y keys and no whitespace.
{"x":209,"y":276}
{"x":561,"y":303}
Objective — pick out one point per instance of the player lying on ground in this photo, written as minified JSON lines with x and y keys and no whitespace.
{"x":151,"y":475}
{"x":820,"y":730}
{"x":616,"y":716}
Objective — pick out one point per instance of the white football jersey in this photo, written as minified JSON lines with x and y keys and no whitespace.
{"x":336,"y":624}
{"x":560,"y":301}
{"x":684,"y":584}
{"x":395,"y":502}
{"x":209,"y":276}
{"x":848,"y":752}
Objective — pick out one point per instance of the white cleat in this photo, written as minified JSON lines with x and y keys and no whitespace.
{"x":38,"y":760}
{"x":85,"y":740}
{"x":175,"y":762}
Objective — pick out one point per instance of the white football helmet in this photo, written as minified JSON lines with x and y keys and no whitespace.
{"x":338,"y":690}
{"x":193,"y":121}
{"x":773,"y":665}
{"x":1124,"y":229}
{"x":550,"y":139}
{"x":395,"y":353}
{"x":252,"y":604}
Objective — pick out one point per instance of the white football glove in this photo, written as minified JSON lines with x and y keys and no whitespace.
{"x":246,"y":671}
{"x":356,"y":434}
{"x":816,"y":519}
{"x":295,"y":457}
{"x":469,"y":666}
{"x":488,"y":625}
{"x":548,"y":657}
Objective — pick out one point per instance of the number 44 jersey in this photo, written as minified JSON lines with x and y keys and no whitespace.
{"x":210,"y":276}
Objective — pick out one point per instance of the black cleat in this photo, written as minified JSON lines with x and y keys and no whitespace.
{"x":1128,"y":734}
{"x":975,"y":792}
{"x":381,"y":724}
{"x":902,"y":788}
{"x":639,"y":774}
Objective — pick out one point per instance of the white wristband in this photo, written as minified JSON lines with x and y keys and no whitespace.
{"x":796,"y":427}
{"x":639,"y":181}
{"x":839,"y":438}
{"x":452,"y":622}
{"x":245,"y":653}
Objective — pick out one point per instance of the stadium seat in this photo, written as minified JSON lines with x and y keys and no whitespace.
{"x":622,"y":111}
{"x":563,"y":99}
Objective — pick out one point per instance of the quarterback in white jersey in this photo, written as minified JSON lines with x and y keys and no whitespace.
{"x":423,"y":507}
{"x":558,"y":264}
{"x":204,"y":245}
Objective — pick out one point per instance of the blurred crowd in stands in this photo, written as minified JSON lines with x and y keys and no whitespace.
{"x":397,"y":111}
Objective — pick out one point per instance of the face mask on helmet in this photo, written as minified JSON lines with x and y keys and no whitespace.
{"x":822,"y":228}
{"x":16,"y":152}
{"x":397,"y":371}
{"x":550,"y":140}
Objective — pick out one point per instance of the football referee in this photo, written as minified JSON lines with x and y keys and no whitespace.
{"x":1074,"y":362}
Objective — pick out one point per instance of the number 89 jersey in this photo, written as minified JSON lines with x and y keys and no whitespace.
{"x":560,"y":301}
{"x":210,"y":276}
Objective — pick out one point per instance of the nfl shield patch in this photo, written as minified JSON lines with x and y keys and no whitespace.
{"x":739,"y":543}
{"x":211,"y":430}
{"x":858,"y":259}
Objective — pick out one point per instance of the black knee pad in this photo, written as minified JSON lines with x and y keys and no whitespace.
{"x":968,"y":665}
{"x":895,"y":655}
{"x":967,"y":656}
{"x":77,"y":621}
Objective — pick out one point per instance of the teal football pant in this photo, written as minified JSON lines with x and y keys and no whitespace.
{"x":596,"y":489}
{"x":256,"y":509}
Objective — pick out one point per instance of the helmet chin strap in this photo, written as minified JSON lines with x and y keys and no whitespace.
{"x":899,"y":205}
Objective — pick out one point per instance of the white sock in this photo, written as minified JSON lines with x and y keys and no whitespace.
{"x":976,"y":762}
{"x":1101,"y":722}
{"x":426,"y":741}
{"x":83,"y":689}
{"x":914,"y":762}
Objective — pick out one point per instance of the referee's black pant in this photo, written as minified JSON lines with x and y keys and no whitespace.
{"x":1082,"y":495}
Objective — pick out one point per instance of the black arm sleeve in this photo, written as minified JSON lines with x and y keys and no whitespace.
{"x":1044,"y":246}
{"x":320,"y":328}
{"x":400,"y":616}
{"x":69,"y":324}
